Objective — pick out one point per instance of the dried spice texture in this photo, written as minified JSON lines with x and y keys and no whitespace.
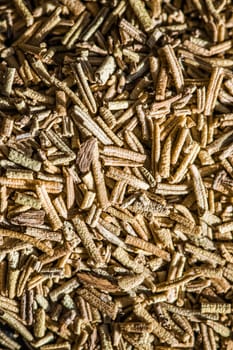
{"x":116,"y":174}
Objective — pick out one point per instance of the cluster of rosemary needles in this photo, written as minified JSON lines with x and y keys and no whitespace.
{"x":116,"y":174}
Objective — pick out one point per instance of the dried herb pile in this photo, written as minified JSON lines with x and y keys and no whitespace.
{"x":116,"y":174}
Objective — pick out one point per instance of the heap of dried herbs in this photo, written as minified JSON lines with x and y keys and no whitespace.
{"x":116,"y":174}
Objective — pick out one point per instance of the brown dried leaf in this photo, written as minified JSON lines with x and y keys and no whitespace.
{"x":97,"y":282}
{"x":29,"y":218}
{"x":85,"y":155}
